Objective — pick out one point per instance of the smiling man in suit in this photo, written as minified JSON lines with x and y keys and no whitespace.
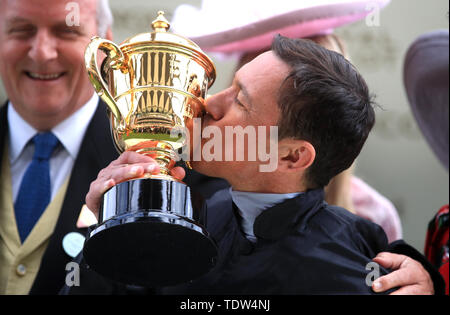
{"x":54,"y":136}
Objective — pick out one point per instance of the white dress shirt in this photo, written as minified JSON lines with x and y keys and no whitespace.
{"x":69,"y":132}
{"x":250,"y":205}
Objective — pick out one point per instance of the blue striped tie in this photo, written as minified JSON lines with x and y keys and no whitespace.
{"x":34,"y":192}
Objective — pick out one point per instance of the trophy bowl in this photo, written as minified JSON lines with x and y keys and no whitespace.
{"x":151,"y":230}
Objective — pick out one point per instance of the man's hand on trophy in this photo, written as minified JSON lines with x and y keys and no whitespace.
{"x":129,"y":165}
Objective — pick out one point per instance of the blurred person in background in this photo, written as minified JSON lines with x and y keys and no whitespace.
{"x":426,"y":82}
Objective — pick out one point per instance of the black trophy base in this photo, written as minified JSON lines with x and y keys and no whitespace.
{"x":148,"y":242}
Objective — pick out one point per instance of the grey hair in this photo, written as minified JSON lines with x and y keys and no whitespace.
{"x":104,"y":17}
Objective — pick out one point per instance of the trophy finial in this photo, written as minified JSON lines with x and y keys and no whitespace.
{"x":161,"y":24}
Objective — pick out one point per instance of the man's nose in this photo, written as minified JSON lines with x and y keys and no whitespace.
{"x":216,"y":105}
{"x":43,"y":47}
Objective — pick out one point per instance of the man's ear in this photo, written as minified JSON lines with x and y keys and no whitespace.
{"x":295,"y":155}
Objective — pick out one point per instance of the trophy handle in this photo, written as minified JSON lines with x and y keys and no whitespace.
{"x":117,"y":62}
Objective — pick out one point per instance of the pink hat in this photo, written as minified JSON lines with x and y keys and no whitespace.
{"x":426,"y":83}
{"x":248,"y":25}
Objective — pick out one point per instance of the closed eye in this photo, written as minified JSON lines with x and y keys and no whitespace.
{"x":66,"y":31}
{"x":238,"y":102}
{"x":22,"y":31}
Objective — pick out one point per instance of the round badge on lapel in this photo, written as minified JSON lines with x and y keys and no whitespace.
{"x":73,"y":243}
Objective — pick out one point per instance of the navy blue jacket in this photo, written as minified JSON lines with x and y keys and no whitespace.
{"x":305,"y":246}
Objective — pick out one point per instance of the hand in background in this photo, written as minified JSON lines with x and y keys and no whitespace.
{"x":409,"y":275}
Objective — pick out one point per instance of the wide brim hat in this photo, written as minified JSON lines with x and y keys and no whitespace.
{"x":426,"y":82}
{"x":235,"y":26}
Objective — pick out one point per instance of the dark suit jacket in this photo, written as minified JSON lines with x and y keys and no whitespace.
{"x":96,"y":152}
{"x":305,"y":246}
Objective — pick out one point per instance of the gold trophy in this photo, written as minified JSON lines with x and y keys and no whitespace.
{"x":149,"y":233}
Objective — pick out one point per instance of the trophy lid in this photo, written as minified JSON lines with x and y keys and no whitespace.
{"x":160,"y":35}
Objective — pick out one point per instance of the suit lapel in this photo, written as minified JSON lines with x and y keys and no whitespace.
{"x":3,"y":129}
{"x":96,"y":152}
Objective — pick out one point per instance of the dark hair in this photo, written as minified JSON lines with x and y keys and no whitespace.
{"x":325,"y":101}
